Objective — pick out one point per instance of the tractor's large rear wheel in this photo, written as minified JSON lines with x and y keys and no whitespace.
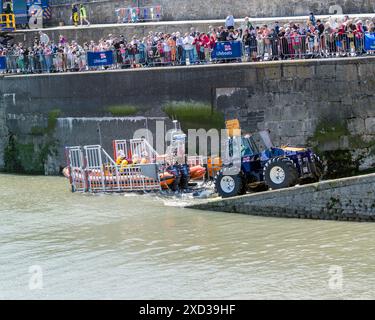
{"x":229,"y":186}
{"x":280,"y":173}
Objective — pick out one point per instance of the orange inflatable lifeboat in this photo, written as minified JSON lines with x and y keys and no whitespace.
{"x":197,"y":172}
{"x":166,"y":180}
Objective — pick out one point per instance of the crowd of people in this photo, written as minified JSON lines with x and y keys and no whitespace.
{"x":314,"y":38}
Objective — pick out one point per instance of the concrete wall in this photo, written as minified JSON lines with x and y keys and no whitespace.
{"x":102,"y":11}
{"x":350,"y":199}
{"x":329,"y":104}
{"x":3,"y":135}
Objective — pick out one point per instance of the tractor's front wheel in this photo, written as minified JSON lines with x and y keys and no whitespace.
{"x":280,"y":173}
{"x":229,"y":186}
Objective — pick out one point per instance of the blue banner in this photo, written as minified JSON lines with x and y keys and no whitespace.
{"x":369,"y":41}
{"x":227,"y":50}
{"x":3,"y":63}
{"x":96,"y":59}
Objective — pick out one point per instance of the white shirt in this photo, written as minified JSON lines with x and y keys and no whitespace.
{"x":229,"y":21}
{"x":166,"y":46}
{"x":44,"y":38}
{"x":188,"y":43}
{"x":179,"y":41}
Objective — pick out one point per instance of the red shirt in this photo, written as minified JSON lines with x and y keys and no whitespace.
{"x":205,"y":41}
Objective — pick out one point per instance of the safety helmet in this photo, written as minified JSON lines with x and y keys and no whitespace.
{"x":121,"y":154}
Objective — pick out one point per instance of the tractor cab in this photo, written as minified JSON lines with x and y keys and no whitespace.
{"x":256,"y":143}
{"x":244,"y":153}
{"x":251,"y":144}
{"x":248,"y":146}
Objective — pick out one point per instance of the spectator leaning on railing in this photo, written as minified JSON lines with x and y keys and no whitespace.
{"x":188,"y":48}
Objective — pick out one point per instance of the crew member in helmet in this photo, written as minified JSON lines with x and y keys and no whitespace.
{"x":121,"y":157}
{"x":122,"y":161}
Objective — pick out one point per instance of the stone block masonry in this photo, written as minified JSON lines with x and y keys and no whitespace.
{"x":3,"y":135}
{"x":326,"y":104}
{"x":349,"y":199}
{"x":103,"y":11}
{"x":323,"y":105}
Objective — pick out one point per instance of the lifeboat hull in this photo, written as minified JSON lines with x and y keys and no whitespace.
{"x":166,"y":180}
{"x":197,"y":172}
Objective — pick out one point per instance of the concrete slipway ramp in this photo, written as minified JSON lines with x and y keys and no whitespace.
{"x":349,"y":199}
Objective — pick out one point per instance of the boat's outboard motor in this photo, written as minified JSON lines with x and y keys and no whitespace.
{"x":185,"y":176}
{"x":176,"y":172}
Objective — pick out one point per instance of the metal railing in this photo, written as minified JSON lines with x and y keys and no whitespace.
{"x":143,"y":55}
{"x":139,"y":14}
{"x":138,"y":167}
{"x":76,"y":164}
{"x":70,"y":2}
{"x":138,"y":149}
{"x":305,"y":46}
{"x":92,"y":170}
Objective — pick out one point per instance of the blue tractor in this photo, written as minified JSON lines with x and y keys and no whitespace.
{"x":252,"y":163}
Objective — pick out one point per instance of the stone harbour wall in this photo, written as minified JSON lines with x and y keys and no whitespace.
{"x":103,"y":11}
{"x":3,"y":135}
{"x":349,"y":199}
{"x":326,"y":104}
{"x":328,"y":107}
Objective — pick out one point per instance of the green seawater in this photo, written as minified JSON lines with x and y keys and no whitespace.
{"x":59,"y":245}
